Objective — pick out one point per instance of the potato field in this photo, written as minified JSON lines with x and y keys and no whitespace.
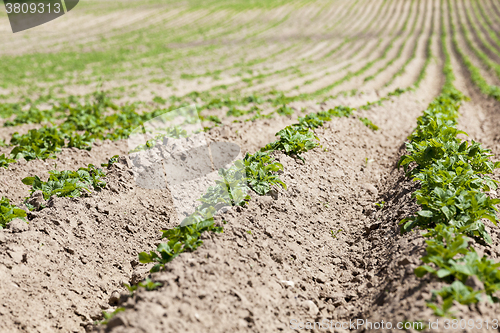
{"x":252,"y":166}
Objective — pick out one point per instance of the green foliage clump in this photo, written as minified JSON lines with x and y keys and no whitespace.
{"x":107,"y":315}
{"x":452,"y":172}
{"x":261,"y":172}
{"x":212,"y":118}
{"x":32,"y":116}
{"x":341,"y":111}
{"x":368,"y":123}
{"x":9,"y":109}
{"x":83,"y":124}
{"x":112,"y":160}
{"x":448,"y":249}
{"x":294,"y":140}
{"x":5,"y":161}
{"x":40,"y":143}
{"x":398,"y":91}
{"x":259,"y":115}
{"x":9,"y":212}
{"x":285,"y":110}
{"x":453,"y":176}
{"x":230,"y":190}
{"x":234,"y":112}
{"x":68,"y":183}
{"x":313,"y":120}
{"x":180,"y":239}
{"x":147,"y":284}
{"x":298,"y":138}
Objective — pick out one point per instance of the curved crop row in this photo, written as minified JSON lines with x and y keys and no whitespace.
{"x":416,"y":84}
{"x":495,"y":11}
{"x":363,"y":69}
{"x":428,"y":55}
{"x":294,"y":68}
{"x":475,"y":73}
{"x":486,"y":27}
{"x":485,"y":59}
{"x":413,"y":53}
{"x":401,"y":47}
{"x":385,"y":6}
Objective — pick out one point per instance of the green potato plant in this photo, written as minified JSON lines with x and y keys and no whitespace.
{"x":67,"y":183}
{"x":453,"y":178}
{"x":5,"y":161}
{"x":9,"y":212}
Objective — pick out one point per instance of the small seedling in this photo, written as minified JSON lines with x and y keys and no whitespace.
{"x":111,"y":161}
{"x":9,"y":212}
{"x":335,"y":233}
{"x":109,"y":315}
{"x":5,"y":161}
{"x":147,"y":284}
{"x":368,"y":123}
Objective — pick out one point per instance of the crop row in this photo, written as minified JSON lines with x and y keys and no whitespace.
{"x":351,"y":75}
{"x":294,"y":140}
{"x":452,"y":174}
{"x":485,"y":22}
{"x":65,"y":183}
{"x":402,"y":46}
{"x":421,"y":75}
{"x":413,"y":54}
{"x":246,"y":67}
{"x":478,"y":30}
{"x":485,"y":59}
{"x":257,"y":172}
{"x":475,"y":73}
{"x":347,"y":41}
{"x":38,"y":116}
{"x":420,"y":78}
{"x":352,"y":52}
{"x":82,"y":124}
{"x":489,"y":19}
{"x":363,"y":69}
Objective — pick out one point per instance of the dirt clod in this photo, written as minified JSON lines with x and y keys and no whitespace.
{"x":312,"y":308}
{"x":18,"y":225}
{"x":371,"y":189}
{"x":114,"y":299}
{"x":36,"y":200}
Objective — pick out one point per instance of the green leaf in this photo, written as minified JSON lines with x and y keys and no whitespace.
{"x":422,"y":270}
{"x":28,"y":180}
{"x":425,"y":213}
{"x":145,"y":258}
{"x":443,"y":273}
